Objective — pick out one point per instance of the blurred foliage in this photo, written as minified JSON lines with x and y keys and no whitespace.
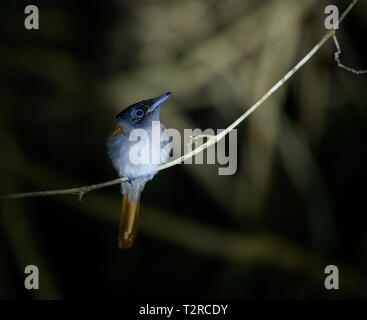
{"x":295,"y":205}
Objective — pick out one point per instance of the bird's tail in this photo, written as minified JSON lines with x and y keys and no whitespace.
{"x":128,"y":222}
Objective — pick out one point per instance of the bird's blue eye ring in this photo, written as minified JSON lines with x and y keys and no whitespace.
{"x":139,"y":113}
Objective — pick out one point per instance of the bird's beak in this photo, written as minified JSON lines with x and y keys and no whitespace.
{"x":158,"y":101}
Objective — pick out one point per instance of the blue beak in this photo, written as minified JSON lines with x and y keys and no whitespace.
{"x":158,"y":101}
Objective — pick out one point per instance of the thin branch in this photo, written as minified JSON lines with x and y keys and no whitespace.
{"x":347,"y":10}
{"x":337,"y":58}
{"x":81,"y":191}
{"x":214,"y":139}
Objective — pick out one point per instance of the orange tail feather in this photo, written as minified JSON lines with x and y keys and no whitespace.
{"x":128,"y":222}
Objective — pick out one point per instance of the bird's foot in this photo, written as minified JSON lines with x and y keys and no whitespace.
{"x":130,"y":180}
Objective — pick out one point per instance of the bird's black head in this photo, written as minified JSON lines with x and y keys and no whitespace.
{"x":142,"y":112}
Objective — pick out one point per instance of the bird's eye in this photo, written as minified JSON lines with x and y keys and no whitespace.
{"x":139,"y":113}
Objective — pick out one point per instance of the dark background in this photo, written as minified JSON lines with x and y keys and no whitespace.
{"x":295,"y":205}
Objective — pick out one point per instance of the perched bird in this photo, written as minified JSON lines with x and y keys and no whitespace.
{"x":137,"y":159}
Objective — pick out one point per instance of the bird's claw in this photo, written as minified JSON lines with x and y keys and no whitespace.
{"x":130,"y":180}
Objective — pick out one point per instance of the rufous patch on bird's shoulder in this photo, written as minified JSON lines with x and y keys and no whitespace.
{"x":117,"y":130}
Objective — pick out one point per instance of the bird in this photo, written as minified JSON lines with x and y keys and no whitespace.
{"x":137,"y":159}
